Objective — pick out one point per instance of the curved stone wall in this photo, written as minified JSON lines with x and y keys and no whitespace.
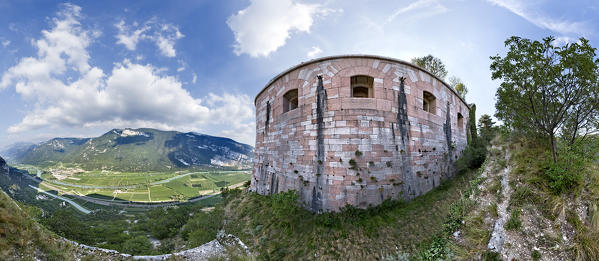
{"x":335,"y":149}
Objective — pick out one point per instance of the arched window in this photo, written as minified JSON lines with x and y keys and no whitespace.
{"x":290,"y":100}
{"x":429,"y":102}
{"x":460,"y":121}
{"x":361,"y":86}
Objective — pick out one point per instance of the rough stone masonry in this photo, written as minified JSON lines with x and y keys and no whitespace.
{"x":356,"y":129}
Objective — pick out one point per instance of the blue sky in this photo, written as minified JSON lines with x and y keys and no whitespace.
{"x":81,"y":68}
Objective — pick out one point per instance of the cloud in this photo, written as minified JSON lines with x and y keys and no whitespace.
{"x":525,"y":10}
{"x":5,"y":43}
{"x":314,"y":51}
{"x":163,"y":35}
{"x":265,"y":25}
{"x":426,"y":8}
{"x":131,"y":95}
{"x":195,"y":78}
{"x":129,"y":38}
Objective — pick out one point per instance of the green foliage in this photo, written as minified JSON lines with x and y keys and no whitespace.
{"x":472,"y":133}
{"x":353,"y":164}
{"x":522,"y":195}
{"x":432,"y":64}
{"x":490,"y":256}
{"x":202,"y":227}
{"x":358,"y":153}
{"x":486,"y":128}
{"x":137,"y":245}
{"x":567,"y":173}
{"x":472,"y":157}
{"x":547,"y":89}
{"x":459,"y":86}
{"x":514,"y":222}
{"x":535,"y":255}
{"x":165,"y":222}
{"x":23,"y":239}
{"x":285,"y":207}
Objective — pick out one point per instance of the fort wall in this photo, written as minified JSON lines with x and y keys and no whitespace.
{"x":356,"y":130}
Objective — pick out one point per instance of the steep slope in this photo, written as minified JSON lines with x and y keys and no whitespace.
{"x":140,"y":150}
{"x":21,"y":238}
{"x":519,"y":216}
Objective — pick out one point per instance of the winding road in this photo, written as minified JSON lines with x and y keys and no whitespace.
{"x":77,"y":206}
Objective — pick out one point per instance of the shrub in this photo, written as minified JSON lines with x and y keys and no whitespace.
{"x":473,"y":156}
{"x":137,"y":245}
{"x":353,"y":164}
{"x":567,"y":173}
{"x":284,"y":206}
{"x":202,"y":228}
{"x":490,"y":256}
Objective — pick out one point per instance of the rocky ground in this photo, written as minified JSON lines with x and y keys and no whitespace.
{"x":501,"y":227}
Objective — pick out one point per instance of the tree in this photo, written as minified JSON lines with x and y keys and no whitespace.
{"x":473,"y":135}
{"x":459,"y":86}
{"x":486,"y":128}
{"x":432,"y":64}
{"x":137,"y":245}
{"x":547,"y":89}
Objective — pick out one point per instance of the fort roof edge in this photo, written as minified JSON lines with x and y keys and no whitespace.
{"x":332,"y":57}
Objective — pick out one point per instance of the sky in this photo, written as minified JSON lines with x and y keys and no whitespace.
{"x":82,"y":68}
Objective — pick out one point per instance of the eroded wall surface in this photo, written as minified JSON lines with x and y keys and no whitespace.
{"x":337,"y":150}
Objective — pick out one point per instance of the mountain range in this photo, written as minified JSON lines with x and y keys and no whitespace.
{"x":136,"y":150}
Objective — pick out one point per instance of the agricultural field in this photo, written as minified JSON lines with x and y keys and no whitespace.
{"x":136,"y":186}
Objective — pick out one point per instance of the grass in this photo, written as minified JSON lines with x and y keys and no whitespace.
{"x":514,"y":222}
{"x":352,"y":233}
{"x":22,"y":238}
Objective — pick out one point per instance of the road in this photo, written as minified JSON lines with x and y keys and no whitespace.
{"x":77,"y":206}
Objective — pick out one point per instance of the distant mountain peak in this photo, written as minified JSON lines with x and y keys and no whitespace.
{"x":141,"y":149}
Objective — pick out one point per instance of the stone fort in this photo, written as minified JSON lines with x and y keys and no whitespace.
{"x":356,"y":129}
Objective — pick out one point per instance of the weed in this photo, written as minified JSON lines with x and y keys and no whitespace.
{"x":490,"y":256}
{"x":535,"y":255}
{"x":353,"y":165}
{"x":492,"y":209}
{"x":514,"y":223}
{"x":522,"y":195}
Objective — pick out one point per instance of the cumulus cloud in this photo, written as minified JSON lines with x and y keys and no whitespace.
{"x":5,"y":43}
{"x":315,"y":50}
{"x":131,"y":95}
{"x":163,"y":35}
{"x":265,"y":25}
{"x":528,"y":11}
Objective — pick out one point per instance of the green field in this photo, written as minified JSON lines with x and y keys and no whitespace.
{"x":137,"y":186}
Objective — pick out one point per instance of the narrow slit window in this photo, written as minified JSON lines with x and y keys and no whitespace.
{"x":429,"y":102}
{"x":362,"y":86}
{"x":460,"y":121}
{"x":290,"y":100}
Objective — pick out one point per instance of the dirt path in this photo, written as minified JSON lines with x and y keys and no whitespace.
{"x":498,"y":235}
